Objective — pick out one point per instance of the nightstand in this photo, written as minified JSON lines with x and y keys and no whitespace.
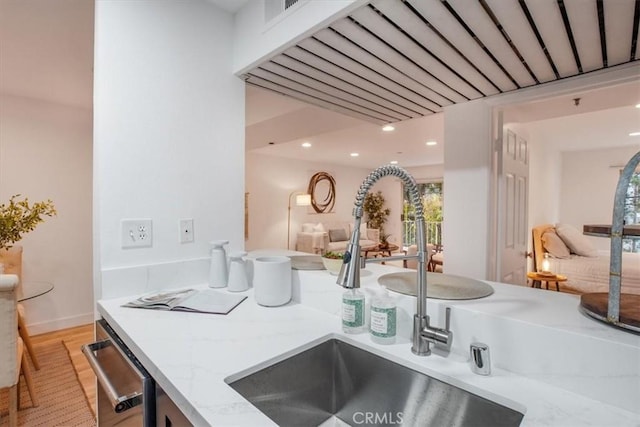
{"x":538,"y":278}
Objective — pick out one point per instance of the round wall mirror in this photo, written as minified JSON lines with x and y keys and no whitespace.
{"x":322,"y":188}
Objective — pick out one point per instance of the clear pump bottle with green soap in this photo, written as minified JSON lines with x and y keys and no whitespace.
{"x":383,"y":319}
{"x":353,"y":311}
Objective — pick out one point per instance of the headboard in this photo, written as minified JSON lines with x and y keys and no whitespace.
{"x":538,"y":250}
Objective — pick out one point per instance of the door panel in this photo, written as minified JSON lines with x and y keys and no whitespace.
{"x":514,"y":188}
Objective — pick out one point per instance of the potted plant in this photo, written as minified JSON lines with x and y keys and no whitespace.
{"x":377,"y":214}
{"x":384,"y":241}
{"x":18,"y":217}
{"x":332,"y":261}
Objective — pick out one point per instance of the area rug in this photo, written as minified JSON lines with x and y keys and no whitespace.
{"x":60,"y":397}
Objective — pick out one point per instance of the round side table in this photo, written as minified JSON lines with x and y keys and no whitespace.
{"x":538,"y":278}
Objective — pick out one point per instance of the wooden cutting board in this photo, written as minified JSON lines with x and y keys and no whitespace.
{"x":598,"y":304}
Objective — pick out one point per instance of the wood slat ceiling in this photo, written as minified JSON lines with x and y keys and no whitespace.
{"x":393,"y":60}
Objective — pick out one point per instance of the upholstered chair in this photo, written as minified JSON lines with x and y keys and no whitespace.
{"x":412,"y":250}
{"x":12,"y":260}
{"x":12,"y":358}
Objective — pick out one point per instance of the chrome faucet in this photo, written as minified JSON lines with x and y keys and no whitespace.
{"x":423,"y":333}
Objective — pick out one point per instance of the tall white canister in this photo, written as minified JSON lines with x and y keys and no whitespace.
{"x":272,"y":280}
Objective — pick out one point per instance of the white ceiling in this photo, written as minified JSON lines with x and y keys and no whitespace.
{"x":46,"y":52}
{"x":401,"y":62}
{"x":393,"y":60}
{"x":407,"y":143}
{"x":231,"y":6}
{"x":341,"y":135}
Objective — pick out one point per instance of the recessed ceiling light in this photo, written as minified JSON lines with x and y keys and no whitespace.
{"x":306,"y":144}
{"x":431,"y":143}
{"x":637,"y":105}
{"x":394,"y":162}
{"x":354,"y":154}
{"x":634,"y":134}
{"x":388,"y":128}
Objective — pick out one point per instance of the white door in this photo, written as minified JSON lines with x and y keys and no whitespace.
{"x":513,"y":181}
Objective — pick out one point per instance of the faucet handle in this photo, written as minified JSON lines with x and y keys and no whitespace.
{"x":442,"y":337}
{"x":447,"y":319}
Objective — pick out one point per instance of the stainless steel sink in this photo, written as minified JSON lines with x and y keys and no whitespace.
{"x":336,"y":382}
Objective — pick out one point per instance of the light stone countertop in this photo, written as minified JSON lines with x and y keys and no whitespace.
{"x":548,"y":360}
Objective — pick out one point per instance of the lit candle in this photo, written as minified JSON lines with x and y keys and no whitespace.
{"x":546,"y":264}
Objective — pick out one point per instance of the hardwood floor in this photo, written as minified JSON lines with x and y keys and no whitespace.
{"x":73,"y":339}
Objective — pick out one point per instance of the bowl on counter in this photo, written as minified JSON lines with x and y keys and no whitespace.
{"x":332,"y":261}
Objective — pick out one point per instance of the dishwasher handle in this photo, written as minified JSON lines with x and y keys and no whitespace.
{"x":119,"y":403}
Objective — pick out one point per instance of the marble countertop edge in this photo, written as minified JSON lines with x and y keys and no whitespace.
{"x":188,"y":355}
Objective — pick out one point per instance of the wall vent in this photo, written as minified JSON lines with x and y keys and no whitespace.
{"x":289,"y":3}
{"x":273,"y":8}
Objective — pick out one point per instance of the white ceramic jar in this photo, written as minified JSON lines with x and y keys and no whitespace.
{"x":218,"y":273}
{"x":237,"y":272}
{"x":272,"y":280}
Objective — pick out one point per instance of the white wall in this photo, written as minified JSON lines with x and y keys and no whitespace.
{"x":589,"y":180}
{"x":467,"y":173}
{"x":270,"y":180}
{"x":571,"y":177}
{"x":427,"y":173}
{"x":45,"y":153}
{"x":255,"y":40}
{"x":545,"y":174}
{"x":168,"y":135}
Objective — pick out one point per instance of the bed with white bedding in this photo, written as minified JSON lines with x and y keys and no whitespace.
{"x":587,"y":271}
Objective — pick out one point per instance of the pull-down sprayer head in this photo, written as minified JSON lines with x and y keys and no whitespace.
{"x":349,"y":276}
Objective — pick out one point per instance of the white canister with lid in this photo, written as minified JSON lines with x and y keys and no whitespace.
{"x":238,"y":281}
{"x":272,"y":280}
{"x":218,"y":273}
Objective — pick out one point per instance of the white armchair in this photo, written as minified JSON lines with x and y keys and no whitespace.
{"x":413,"y":250}
{"x":12,"y":261}
{"x":323,"y":237}
{"x":313,"y":242}
{"x":13,"y":360}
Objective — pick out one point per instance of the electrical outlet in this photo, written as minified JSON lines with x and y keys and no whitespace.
{"x":136,"y":233}
{"x":186,"y":230}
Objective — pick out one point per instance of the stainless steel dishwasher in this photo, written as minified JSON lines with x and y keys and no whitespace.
{"x":126,"y":391}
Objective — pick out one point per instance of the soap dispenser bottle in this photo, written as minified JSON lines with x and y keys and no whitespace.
{"x":218,"y":272}
{"x":383,"y":319}
{"x":353,"y":311}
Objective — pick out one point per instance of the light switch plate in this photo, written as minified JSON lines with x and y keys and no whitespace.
{"x":136,"y":233}
{"x":186,"y":230}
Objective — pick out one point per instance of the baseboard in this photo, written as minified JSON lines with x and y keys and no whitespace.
{"x":57,"y":324}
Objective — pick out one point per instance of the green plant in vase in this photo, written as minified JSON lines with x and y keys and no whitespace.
{"x":377,"y":214}
{"x":18,"y":217}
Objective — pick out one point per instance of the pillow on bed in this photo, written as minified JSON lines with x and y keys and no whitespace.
{"x":577,"y":243}
{"x":553,"y":244}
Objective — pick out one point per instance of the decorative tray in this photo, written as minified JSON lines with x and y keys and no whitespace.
{"x":306,"y":262}
{"x":439,"y":286}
